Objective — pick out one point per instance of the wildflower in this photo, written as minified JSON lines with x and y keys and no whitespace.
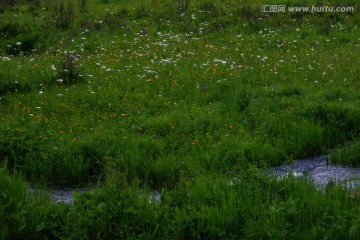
{"x":18,"y":43}
{"x":218,"y":60}
{"x":164,"y":61}
{"x":59,"y":80}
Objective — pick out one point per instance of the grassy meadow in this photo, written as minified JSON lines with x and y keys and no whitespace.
{"x":191,"y":98}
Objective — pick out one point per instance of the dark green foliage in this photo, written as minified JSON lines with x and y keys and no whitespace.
{"x":340,"y":122}
{"x":183,"y":5}
{"x":210,"y":9}
{"x":18,"y":38}
{"x":24,"y":43}
{"x":118,"y":20}
{"x":349,"y":154}
{"x":141,"y":11}
{"x":291,"y":92}
{"x":12,"y":197}
{"x":10,"y":2}
{"x":83,"y":5}
{"x":248,"y":13}
{"x":228,"y":97}
{"x":63,"y":13}
{"x":11,"y":29}
{"x":7,"y":87}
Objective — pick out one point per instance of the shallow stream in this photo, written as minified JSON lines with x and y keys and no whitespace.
{"x":316,"y":169}
{"x":320,"y":171}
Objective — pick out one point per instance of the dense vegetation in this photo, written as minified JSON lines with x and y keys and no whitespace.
{"x":194,"y":99}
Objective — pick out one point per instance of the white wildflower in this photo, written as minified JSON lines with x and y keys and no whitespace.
{"x":219,"y":60}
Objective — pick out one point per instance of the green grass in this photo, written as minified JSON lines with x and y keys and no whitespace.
{"x":136,"y":96}
{"x":251,"y":206}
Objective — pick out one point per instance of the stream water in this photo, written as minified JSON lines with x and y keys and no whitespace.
{"x":320,"y":172}
{"x":316,"y":169}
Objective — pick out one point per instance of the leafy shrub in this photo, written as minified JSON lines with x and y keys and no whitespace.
{"x":69,"y":71}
